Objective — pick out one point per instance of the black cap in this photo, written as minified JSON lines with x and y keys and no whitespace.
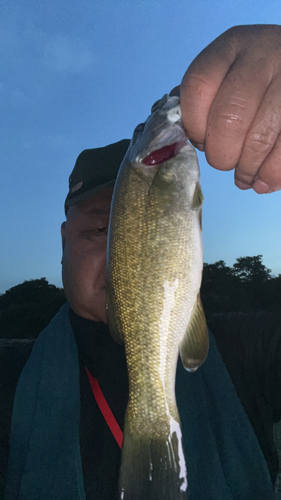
{"x":94,"y":170}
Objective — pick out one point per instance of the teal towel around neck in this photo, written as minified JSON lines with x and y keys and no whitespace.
{"x":224,"y":459}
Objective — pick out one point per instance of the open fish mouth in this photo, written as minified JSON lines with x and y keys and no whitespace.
{"x":161,"y":137}
{"x":163,"y":154}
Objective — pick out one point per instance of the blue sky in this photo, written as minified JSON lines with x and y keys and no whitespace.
{"x":77,"y":75}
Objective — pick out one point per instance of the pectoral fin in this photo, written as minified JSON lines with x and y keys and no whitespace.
{"x":195,"y":343}
{"x":198,"y":198}
{"x":111,"y":319}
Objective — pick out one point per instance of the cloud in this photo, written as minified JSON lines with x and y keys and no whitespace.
{"x":64,"y":54}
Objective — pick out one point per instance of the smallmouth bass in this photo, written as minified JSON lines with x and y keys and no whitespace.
{"x":154,"y":271}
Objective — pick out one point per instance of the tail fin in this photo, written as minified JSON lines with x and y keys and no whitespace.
{"x":153,"y":469}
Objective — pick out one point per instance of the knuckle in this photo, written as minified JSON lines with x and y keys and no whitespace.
{"x":258,"y":145}
{"x":261,"y":142}
{"x":229,"y":115}
{"x":196,"y":82}
{"x":229,"y":123}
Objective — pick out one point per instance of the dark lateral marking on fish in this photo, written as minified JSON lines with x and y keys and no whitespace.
{"x":160,"y":155}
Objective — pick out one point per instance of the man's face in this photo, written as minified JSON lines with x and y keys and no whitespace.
{"x":84,"y":236}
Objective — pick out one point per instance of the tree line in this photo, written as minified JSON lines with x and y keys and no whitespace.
{"x":247,"y":286}
{"x":26,"y":309}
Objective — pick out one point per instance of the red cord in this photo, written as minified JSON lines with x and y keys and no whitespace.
{"x":104,"y":408}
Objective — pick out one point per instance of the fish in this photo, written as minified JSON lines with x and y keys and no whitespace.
{"x":153,"y":276}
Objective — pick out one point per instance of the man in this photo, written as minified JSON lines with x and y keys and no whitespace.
{"x":62,"y":451}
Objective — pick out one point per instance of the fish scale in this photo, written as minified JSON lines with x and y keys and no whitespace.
{"x":154,"y":269}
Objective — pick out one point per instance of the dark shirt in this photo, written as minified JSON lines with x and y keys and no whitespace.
{"x":106,"y":361}
{"x":251,"y":355}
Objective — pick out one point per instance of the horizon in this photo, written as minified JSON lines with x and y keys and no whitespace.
{"x":272,"y":276}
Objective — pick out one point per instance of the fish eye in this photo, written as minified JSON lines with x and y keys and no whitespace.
{"x":139,"y":127}
{"x":138,"y":130}
{"x":159,"y":104}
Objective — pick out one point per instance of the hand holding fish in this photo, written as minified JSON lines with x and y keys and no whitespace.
{"x":231,"y":105}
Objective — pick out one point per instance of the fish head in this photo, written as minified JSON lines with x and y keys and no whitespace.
{"x":161,"y":155}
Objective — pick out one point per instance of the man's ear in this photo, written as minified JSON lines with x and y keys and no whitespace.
{"x":62,"y":230}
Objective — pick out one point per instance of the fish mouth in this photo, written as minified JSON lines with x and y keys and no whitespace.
{"x":163,"y":154}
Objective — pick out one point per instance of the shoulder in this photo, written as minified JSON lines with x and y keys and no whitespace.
{"x":13,"y":356}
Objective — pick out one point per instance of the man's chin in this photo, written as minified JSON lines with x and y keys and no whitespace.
{"x":98,"y":314}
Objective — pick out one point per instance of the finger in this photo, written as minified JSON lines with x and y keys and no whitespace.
{"x":261,"y":138}
{"x":269,"y":175}
{"x":228,"y":78}
{"x":201,"y":83}
{"x":233,"y":110}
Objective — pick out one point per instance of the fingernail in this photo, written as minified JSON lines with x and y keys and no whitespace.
{"x":261,"y":187}
{"x":241,"y":185}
